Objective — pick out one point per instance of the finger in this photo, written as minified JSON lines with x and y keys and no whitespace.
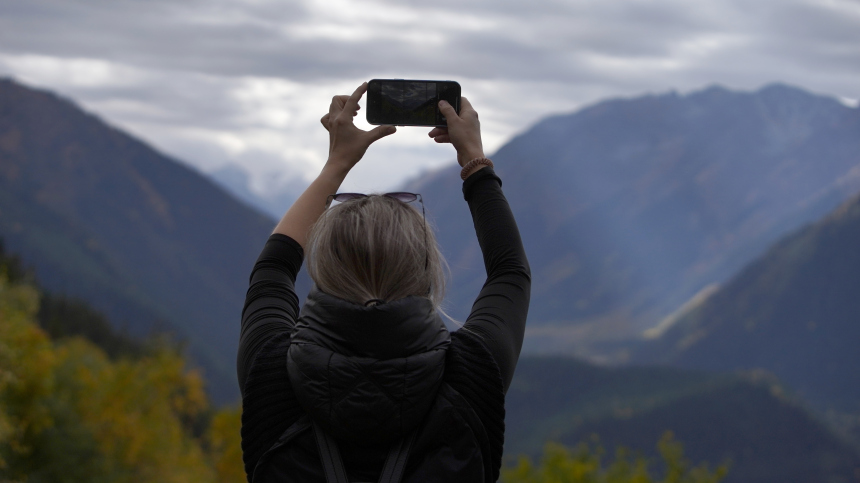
{"x":324,"y":121}
{"x":447,"y":110}
{"x":380,"y":132}
{"x":351,"y":104}
{"x":437,"y":131}
{"x":337,"y":103}
{"x":444,"y":138}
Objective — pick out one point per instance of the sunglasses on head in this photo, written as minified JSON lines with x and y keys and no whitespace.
{"x":401,"y":196}
{"x":398,"y":195}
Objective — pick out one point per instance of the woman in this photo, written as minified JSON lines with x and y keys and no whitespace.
{"x":366,"y":384}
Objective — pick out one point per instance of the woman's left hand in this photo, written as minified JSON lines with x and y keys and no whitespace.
{"x":347,"y":143}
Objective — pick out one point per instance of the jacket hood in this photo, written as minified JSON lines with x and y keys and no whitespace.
{"x":367,"y":374}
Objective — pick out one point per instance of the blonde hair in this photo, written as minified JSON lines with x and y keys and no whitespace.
{"x":375,"y":248}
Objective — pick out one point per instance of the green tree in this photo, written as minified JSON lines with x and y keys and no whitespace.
{"x":584,"y":464}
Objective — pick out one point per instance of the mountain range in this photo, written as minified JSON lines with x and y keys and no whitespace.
{"x":630,"y":207}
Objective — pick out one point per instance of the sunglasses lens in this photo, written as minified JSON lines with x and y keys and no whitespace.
{"x":402,"y":196}
{"x":341,"y":197}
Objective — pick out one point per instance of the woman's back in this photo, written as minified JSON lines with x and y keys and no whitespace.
{"x":370,"y":377}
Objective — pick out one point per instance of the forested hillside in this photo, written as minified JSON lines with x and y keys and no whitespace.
{"x":751,"y":420}
{"x":142,"y":238}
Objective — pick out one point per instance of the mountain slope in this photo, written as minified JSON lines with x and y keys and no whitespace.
{"x":629,"y":207}
{"x":103,"y":217}
{"x":793,"y":312}
{"x":747,"y":420}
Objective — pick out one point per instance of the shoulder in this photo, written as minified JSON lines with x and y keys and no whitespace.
{"x":269,"y":405}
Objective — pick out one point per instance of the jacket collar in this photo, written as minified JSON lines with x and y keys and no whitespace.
{"x":396,"y":329}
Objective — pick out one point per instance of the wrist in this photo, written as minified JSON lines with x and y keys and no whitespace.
{"x":466,"y":156}
{"x":340,"y":161}
{"x":474,"y":166}
{"x":335,"y":168}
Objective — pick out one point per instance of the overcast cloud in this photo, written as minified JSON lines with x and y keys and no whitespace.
{"x":214,"y":82}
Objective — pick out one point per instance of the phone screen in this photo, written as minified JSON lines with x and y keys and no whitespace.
{"x":409,"y":102}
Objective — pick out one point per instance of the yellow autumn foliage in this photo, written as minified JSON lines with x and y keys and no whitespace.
{"x":223,"y":440}
{"x":584,"y":464}
{"x":70,"y":414}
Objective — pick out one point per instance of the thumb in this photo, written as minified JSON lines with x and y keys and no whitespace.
{"x":380,"y":132}
{"x":447,"y":110}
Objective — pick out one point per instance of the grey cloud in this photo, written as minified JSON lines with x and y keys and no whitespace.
{"x":215,"y":37}
{"x":531,"y":41}
{"x":254,"y":41}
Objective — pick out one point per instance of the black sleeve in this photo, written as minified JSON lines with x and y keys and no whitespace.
{"x":499,"y":313}
{"x":271,"y":305}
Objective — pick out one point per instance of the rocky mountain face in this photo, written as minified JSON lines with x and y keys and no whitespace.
{"x":103,"y":217}
{"x":630,"y":207}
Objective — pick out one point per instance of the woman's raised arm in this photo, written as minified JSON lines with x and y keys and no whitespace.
{"x":271,"y":305}
{"x":499,"y":313}
{"x":347,"y":145}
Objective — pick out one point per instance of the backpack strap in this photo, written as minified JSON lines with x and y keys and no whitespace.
{"x":330,"y":456}
{"x":287,"y":436}
{"x":392,"y":470}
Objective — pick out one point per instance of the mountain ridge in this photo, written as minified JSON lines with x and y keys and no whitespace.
{"x":629,"y":207}
{"x":103,"y":217}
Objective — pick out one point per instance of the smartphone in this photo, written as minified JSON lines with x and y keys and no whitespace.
{"x":402,"y":102}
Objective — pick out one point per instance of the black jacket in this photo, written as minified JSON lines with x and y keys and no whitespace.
{"x":370,"y":375}
{"x":367,"y":375}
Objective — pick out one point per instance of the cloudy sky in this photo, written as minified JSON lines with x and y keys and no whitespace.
{"x":244,"y":82}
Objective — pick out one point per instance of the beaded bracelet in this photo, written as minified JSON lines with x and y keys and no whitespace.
{"x":471,"y":164}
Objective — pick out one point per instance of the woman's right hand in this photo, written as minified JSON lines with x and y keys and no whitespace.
{"x":463,"y":131}
{"x":347,"y":143}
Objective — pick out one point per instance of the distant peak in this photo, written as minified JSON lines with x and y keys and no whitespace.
{"x":714,"y":89}
{"x":782,"y":92}
{"x":782,"y":88}
{"x":711,"y":91}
